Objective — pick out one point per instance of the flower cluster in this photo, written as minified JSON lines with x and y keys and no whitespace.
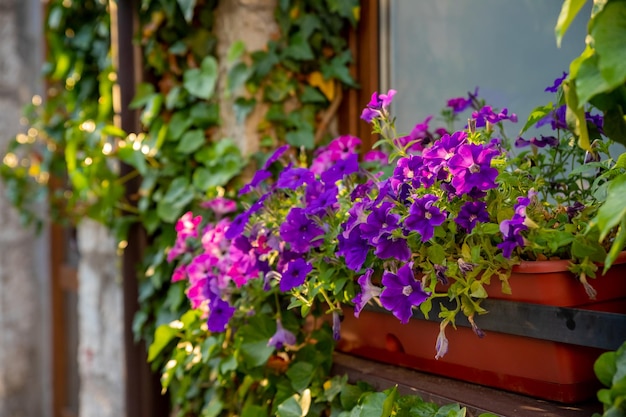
{"x":438,"y":220}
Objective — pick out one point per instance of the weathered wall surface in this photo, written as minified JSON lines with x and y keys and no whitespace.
{"x":24,"y":337}
{"x":251,"y":21}
{"x":100,"y":328}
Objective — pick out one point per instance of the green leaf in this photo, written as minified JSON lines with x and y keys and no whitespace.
{"x":373,"y":404}
{"x":253,"y":339}
{"x":142,"y":95}
{"x":299,"y":48}
{"x":235,"y":51}
{"x":614,"y":125}
{"x":390,"y":401}
{"x":243,"y":107}
{"x":162,"y":336}
{"x":237,"y":76}
{"x":191,"y":141}
{"x":187,"y":6}
{"x":300,"y":375}
{"x":609,"y":32}
{"x":252,"y":410}
{"x":302,"y":137}
{"x":200,"y":82}
{"x":179,"y":123}
{"x":616,"y":247}
{"x":535,"y":115}
{"x":613,"y":210}
{"x":436,"y":254}
{"x":289,"y":408}
{"x":569,"y":10}
{"x":575,"y":108}
{"x":312,"y":95}
{"x":605,"y":368}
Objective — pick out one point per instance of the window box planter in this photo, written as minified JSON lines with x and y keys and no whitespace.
{"x":541,"y":341}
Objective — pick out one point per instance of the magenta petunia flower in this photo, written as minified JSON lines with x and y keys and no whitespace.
{"x":471,"y":168}
{"x":379,"y":104}
{"x":220,"y":205}
{"x":402,"y":292}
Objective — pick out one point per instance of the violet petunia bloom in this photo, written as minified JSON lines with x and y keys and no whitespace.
{"x":511,"y":229}
{"x":336,"y":325}
{"x":424,"y":217}
{"x":402,"y":292}
{"x":220,"y":313}
{"x":556,"y":118}
{"x":460,"y":104}
{"x":282,"y":337}
{"x":471,"y":213}
{"x":300,"y":231}
{"x":441,"y":346}
{"x":391,"y":247}
{"x":437,"y":156}
{"x":471,"y":168}
{"x":487,"y":114}
{"x":295,"y":274}
{"x":340,"y":169}
{"x":419,"y":137}
{"x":380,"y":221}
{"x":368,"y":291}
{"x":274,"y":157}
{"x":259,"y":176}
{"x":556,"y":84}
{"x":322,"y":202}
{"x":293,"y":178}
{"x":378,"y":105}
{"x":353,"y":248}
{"x":237,"y":226}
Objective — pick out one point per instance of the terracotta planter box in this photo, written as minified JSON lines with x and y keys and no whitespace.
{"x":540,"y":368}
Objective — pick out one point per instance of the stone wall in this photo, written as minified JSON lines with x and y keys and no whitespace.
{"x":24,"y":336}
{"x":100,"y":324}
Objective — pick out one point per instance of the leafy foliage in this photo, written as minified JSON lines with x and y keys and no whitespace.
{"x":610,"y":368}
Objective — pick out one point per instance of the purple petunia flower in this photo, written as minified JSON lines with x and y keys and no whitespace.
{"x":419,"y":137}
{"x":424,"y":217}
{"x":391,"y":247}
{"x":441,"y":346}
{"x":380,"y":221}
{"x":437,"y":156}
{"x":336,"y":325}
{"x":487,"y":114}
{"x":556,"y":84}
{"x":368,"y":291}
{"x":376,"y":156}
{"x":274,"y":157}
{"x":322,"y":202}
{"x":293,"y":178}
{"x":353,"y":248}
{"x":300,"y":231}
{"x":220,"y":313}
{"x":281,"y":337}
{"x":471,"y":213}
{"x":471,"y":168}
{"x":259,"y":176}
{"x":511,"y":229}
{"x":379,"y":103}
{"x":237,"y":226}
{"x":340,"y":169}
{"x":460,"y":104}
{"x":402,"y":292}
{"x":556,"y":118}
{"x":295,"y":274}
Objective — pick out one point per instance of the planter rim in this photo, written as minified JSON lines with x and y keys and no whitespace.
{"x":532,"y":267}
